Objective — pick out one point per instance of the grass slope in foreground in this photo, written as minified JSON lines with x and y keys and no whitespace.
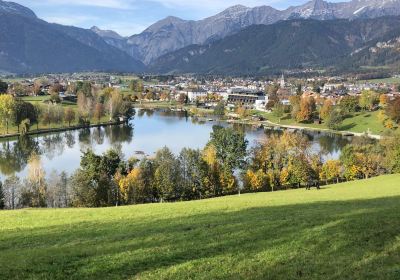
{"x":347,"y":231}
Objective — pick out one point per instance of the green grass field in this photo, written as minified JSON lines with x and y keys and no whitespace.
{"x":36,"y":99}
{"x":383,"y":81}
{"x":361,"y":122}
{"x":346,"y":231}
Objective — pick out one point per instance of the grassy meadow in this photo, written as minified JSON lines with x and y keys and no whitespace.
{"x":392,"y":80}
{"x":345,"y":231}
{"x":360,"y":122}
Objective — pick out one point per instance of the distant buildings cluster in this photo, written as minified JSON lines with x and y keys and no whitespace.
{"x":248,"y":92}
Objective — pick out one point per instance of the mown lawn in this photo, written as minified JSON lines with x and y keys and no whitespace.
{"x":363,"y":122}
{"x":360,"y":122}
{"x":36,"y":99}
{"x":347,"y":231}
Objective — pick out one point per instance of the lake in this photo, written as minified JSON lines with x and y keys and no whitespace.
{"x":147,"y":132}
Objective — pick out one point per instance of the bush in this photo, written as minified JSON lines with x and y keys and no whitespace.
{"x":334,"y":120}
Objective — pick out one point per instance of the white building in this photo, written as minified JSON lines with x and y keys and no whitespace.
{"x":261,"y":104}
{"x":194,"y":95}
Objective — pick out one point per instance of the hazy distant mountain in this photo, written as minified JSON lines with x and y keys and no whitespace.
{"x":172,"y":33}
{"x":238,"y":40}
{"x":292,"y":44}
{"x":31,"y":45}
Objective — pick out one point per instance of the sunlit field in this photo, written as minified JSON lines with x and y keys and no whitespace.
{"x":345,"y":231}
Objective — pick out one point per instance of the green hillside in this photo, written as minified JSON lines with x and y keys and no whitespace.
{"x":347,"y":231}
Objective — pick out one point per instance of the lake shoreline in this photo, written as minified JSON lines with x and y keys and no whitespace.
{"x":268,"y":123}
{"x":61,"y":129}
{"x":148,"y":132}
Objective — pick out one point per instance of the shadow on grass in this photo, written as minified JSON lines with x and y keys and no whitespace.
{"x":325,"y":240}
{"x":347,"y":126}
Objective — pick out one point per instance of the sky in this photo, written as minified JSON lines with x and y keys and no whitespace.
{"x":129,"y":17}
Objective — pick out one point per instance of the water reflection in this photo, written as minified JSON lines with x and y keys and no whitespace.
{"x":14,"y":155}
{"x":149,"y":131}
{"x":53,"y":145}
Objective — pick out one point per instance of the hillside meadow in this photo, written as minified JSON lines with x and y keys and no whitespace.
{"x":345,"y":231}
{"x":360,"y":122}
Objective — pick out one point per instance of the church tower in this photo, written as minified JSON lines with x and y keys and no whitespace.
{"x":282,"y":82}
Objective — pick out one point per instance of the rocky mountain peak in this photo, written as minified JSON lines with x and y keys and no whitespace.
{"x":166,"y":22}
{"x":236,"y":9}
{"x":16,"y":9}
{"x":106,"y":33}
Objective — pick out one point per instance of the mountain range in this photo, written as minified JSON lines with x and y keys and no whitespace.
{"x":237,"y":40}
{"x":171,"y":33}
{"x":31,"y":45}
{"x":292,"y":44}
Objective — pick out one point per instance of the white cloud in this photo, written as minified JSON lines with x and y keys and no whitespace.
{"x":130,"y":4}
{"x":212,"y":4}
{"x":115,"y":4}
{"x":70,"y":20}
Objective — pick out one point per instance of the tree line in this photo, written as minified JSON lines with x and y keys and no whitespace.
{"x":224,"y":167}
{"x":288,"y":160}
{"x":92,"y":104}
{"x":306,"y":109}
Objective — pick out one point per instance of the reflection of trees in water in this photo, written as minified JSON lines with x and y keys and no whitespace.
{"x":98,"y":135}
{"x":141,"y":113}
{"x":271,"y":132}
{"x":119,"y":133}
{"x":14,"y":156}
{"x":182,"y":115}
{"x":149,"y":113}
{"x":309,"y":135}
{"x":164,"y":113}
{"x":331,"y":143}
{"x":69,"y":139}
{"x":169,"y":113}
{"x":195,"y":120}
{"x":85,"y":139}
{"x":328,"y":143}
{"x":245,"y":128}
{"x":53,"y":145}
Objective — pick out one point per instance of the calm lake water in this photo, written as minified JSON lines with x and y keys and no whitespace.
{"x":147,"y":132}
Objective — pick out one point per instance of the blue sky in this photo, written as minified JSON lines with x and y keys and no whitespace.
{"x":130,"y":17}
